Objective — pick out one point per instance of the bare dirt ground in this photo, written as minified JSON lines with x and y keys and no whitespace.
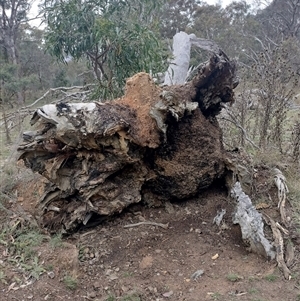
{"x":191,"y":259}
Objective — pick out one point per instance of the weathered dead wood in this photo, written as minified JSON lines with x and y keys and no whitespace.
{"x":279,"y":245}
{"x":153,"y":144}
{"x":283,"y":190}
{"x":251,"y":223}
{"x":289,"y":253}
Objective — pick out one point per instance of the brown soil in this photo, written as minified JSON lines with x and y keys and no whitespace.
{"x":148,"y":262}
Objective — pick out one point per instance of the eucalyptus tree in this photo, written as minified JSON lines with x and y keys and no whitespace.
{"x":119,"y":38}
{"x":177,"y":15}
{"x":13,"y":13}
{"x":230,"y":27}
{"x":209,"y":22}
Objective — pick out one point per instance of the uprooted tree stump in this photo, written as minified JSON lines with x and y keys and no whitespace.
{"x":155,"y":143}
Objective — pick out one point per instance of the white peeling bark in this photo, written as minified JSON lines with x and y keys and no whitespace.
{"x":251,"y":223}
{"x":179,"y":66}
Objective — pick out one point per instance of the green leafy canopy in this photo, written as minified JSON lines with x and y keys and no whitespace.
{"x":119,"y":38}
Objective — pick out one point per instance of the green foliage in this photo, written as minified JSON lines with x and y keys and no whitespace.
{"x":253,"y":290}
{"x":232,"y":28}
{"x":33,"y":61}
{"x":216,"y":296}
{"x":24,"y":240}
{"x":56,"y":241}
{"x":3,"y":277}
{"x":70,"y":282}
{"x":271,"y":277}
{"x":12,"y":16}
{"x":10,"y":84}
{"x":21,"y":240}
{"x":60,"y":79}
{"x":132,"y":297}
{"x":177,"y":15}
{"x":119,"y":38}
{"x":233,"y":277}
{"x":34,"y":269}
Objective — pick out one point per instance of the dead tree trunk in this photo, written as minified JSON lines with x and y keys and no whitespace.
{"x":153,"y":143}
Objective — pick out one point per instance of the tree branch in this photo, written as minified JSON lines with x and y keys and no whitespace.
{"x":237,"y":124}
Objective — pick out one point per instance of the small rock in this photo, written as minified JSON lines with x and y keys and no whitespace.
{"x":197,"y":274}
{"x":124,"y":289}
{"x":169,"y":208}
{"x":97,"y":285}
{"x":188,"y":212}
{"x":108,"y":272}
{"x":92,"y":295}
{"x":168,"y":294}
{"x":51,"y":274}
{"x":113,"y":277}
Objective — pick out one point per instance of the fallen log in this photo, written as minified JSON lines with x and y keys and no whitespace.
{"x":155,"y":143}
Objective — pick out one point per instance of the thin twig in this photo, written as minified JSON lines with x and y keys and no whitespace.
{"x":165,"y":226}
{"x":236,"y":123}
{"x":285,"y":231}
{"x":56,"y":89}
